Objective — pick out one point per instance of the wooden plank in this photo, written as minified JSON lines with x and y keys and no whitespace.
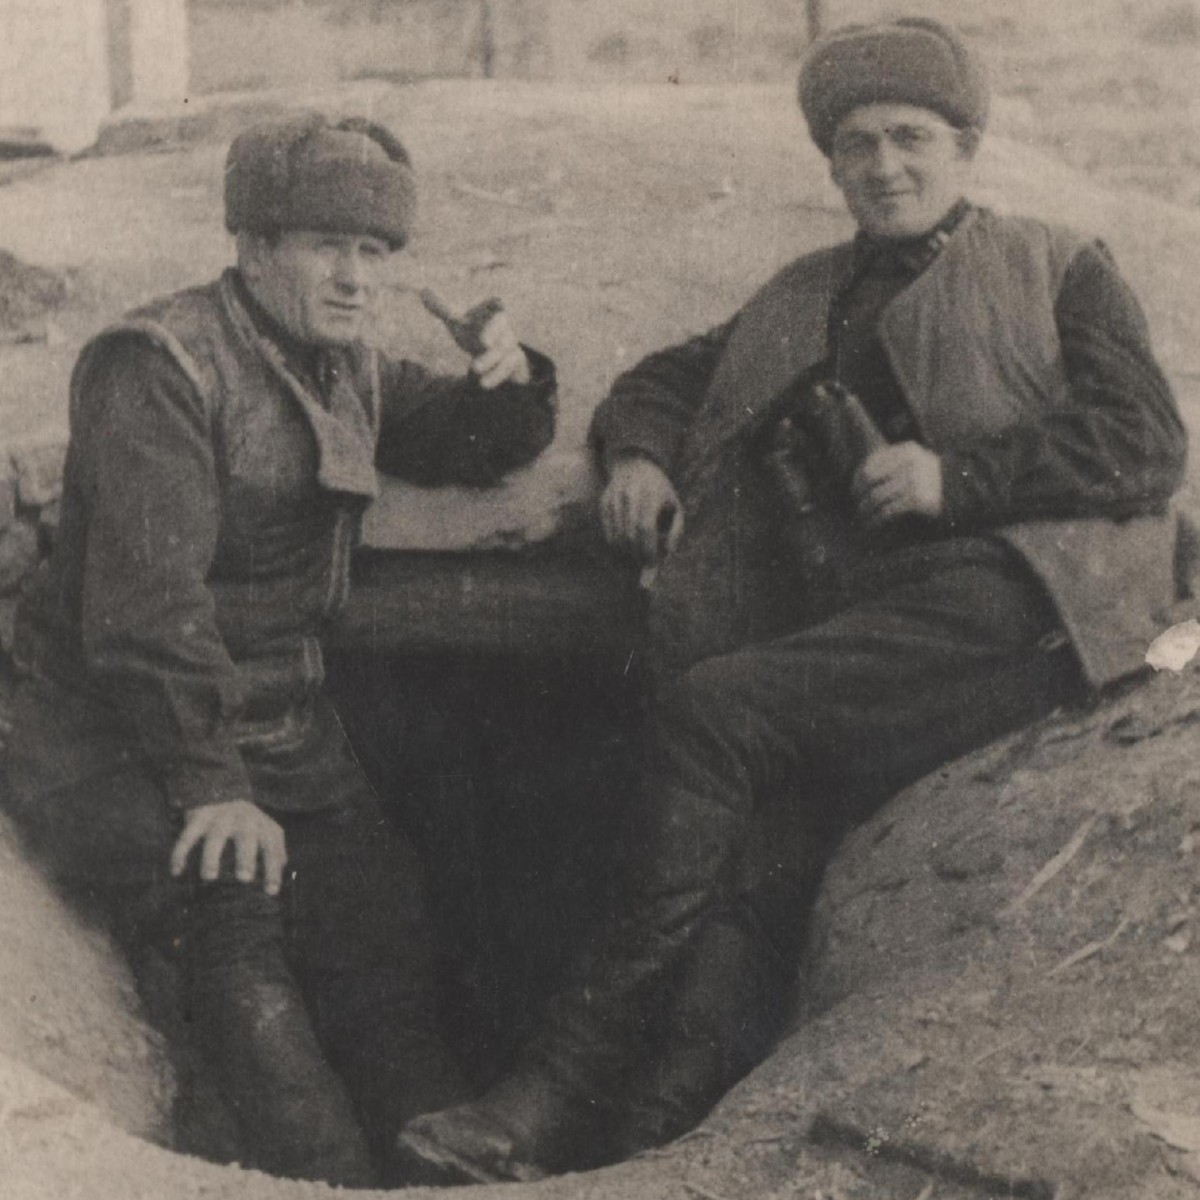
{"x":543,"y":602}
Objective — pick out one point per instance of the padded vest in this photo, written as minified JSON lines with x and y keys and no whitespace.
{"x":292,"y":478}
{"x":974,"y":346}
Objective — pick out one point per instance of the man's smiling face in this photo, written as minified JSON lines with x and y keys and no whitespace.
{"x":900,"y":168}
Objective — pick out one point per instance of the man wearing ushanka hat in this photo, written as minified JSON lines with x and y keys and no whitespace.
{"x":175,"y":763}
{"x":911,"y":496}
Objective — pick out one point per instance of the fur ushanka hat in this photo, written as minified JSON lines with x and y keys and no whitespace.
{"x":305,"y":172}
{"x":911,"y":60}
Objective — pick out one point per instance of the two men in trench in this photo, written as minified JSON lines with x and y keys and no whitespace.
{"x":913,"y":495}
{"x":174,"y":761}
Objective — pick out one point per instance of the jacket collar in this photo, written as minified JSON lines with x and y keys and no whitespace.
{"x":911,"y":255}
{"x":344,"y":423}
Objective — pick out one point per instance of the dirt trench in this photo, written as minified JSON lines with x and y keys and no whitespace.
{"x":1000,"y":1001}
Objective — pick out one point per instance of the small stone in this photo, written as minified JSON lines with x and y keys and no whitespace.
{"x":965,"y":860}
{"x":1189,"y":1164}
{"x":18,"y":554}
{"x":39,"y":473}
{"x":1178,"y":943}
{"x":1174,"y":649}
{"x":1131,"y":728}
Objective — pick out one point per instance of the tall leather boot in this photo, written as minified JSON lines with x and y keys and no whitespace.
{"x":549,"y":1114}
{"x":720,"y":1014}
{"x":555,"y":1110}
{"x":380,"y":1032}
{"x":292,"y":1111}
{"x":731,"y":1000}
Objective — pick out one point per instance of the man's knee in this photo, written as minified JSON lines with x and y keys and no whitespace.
{"x":704,"y":699}
{"x":227,"y":925}
{"x":720,"y":717}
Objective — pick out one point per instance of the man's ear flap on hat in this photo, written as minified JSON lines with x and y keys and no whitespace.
{"x":253,"y":248}
{"x":968,"y":140}
{"x":381,"y":136}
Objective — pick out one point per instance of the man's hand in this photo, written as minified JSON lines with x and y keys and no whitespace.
{"x":904,"y":479}
{"x":502,"y":359}
{"x":640,"y":509}
{"x":252,"y":832}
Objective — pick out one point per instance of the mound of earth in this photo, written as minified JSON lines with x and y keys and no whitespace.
{"x":1004,"y":977}
{"x":999,"y":1000}
{"x":28,"y":294}
{"x":68,"y":1010}
{"x":999,"y":994}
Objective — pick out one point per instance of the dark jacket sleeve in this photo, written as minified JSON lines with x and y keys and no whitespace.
{"x":650,"y":407}
{"x":1117,"y":449}
{"x":149,"y":625}
{"x":437,"y":430}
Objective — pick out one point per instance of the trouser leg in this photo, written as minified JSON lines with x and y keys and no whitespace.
{"x":360,"y":943}
{"x":252,"y":1022}
{"x":728,"y":1003}
{"x":106,"y":842}
{"x":773,"y":746}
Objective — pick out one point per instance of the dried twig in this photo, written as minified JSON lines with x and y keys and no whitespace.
{"x":827,"y":1130}
{"x":1007,"y":1044}
{"x":703,"y":1193}
{"x":1054,"y":866}
{"x":1092,"y":948}
{"x":478,"y":193}
{"x":23,"y":337}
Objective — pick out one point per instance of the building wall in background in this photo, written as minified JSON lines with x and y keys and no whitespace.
{"x":65,"y":64}
{"x":244,"y":45}
{"x":54,"y":81}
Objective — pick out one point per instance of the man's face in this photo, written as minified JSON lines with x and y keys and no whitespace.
{"x":901,"y":168}
{"x":320,"y":287}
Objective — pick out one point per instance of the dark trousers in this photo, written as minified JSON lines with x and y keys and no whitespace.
{"x":314,"y":1009}
{"x":761,"y":759}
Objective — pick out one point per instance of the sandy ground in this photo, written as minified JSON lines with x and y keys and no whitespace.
{"x":611,"y":220}
{"x":1114,"y":84}
{"x":1051,"y":1043}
